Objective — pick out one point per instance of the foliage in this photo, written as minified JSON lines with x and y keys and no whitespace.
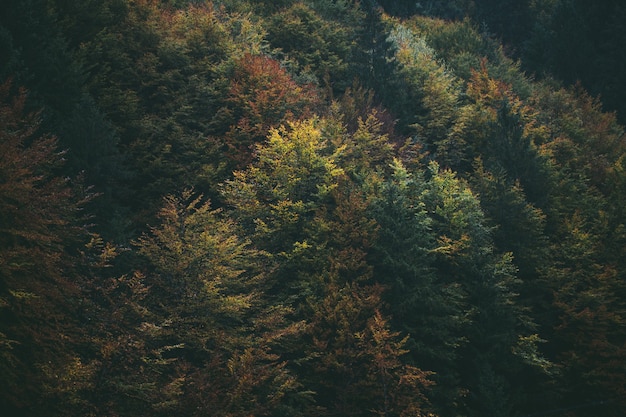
{"x":261,"y":96}
{"x":203,"y":337}
{"x":314,"y":45}
{"x":401,"y":221}
{"x":39,"y":292}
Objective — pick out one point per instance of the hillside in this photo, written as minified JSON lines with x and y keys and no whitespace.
{"x":311,"y":208}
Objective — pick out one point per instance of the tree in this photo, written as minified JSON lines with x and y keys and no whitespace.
{"x":355,"y":362}
{"x":43,"y":60}
{"x":589,"y":333}
{"x":425,"y":307}
{"x":199,"y":335}
{"x":576,"y":41}
{"x":49,"y":70}
{"x":158,"y":76}
{"x":313,"y":45}
{"x":581,"y":144}
{"x":262,"y":95}
{"x":500,"y":337}
{"x":277,"y":200}
{"x":40,"y":230}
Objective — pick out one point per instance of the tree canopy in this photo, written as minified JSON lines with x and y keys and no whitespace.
{"x":312,"y":208}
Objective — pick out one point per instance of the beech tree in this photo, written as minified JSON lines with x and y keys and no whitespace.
{"x":203,"y":336}
{"x":261,"y":96}
{"x":279,"y":199}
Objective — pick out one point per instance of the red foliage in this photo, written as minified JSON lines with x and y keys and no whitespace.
{"x":263,"y":95}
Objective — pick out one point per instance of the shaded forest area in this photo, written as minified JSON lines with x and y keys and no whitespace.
{"x":312,"y":208}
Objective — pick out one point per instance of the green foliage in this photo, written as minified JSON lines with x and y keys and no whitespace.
{"x":279,"y":198}
{"x":576,"y":41}
{"x":43,"y":61}
{"x":358,"y":366}
{"x":465,"y":255}
{"x":312,"y":44}
{"x":49,"y":70}
{"x":428,"y":309}
{"x":293,"y":173}
{"x":432,"y":87}
{"x":403,"y":222}
{"x":156,"y":74}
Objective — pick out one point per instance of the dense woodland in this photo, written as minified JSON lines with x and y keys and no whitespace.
{"x":312,"y":208}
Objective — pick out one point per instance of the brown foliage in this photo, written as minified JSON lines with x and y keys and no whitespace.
{"x":37,"y":227}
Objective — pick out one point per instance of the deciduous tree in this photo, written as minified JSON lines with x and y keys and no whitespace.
{"x":39,"y":231}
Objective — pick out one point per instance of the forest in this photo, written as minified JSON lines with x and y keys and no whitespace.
{"x":312,"y":208}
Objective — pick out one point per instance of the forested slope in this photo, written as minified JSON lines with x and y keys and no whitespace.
{"x":307,"y":208}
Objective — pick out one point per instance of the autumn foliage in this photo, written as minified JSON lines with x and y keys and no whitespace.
{"x":309,"y":208}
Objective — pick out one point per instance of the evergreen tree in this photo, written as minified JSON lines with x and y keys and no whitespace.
{"x":312,"y":45}
{"x":422,"y":305}
{"x":500,"y":341}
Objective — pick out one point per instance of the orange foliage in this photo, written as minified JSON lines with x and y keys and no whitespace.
{"x":263,"y":95}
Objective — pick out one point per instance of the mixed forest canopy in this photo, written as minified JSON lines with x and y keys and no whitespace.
{"x":312,"y":208}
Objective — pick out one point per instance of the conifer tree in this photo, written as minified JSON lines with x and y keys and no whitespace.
{"x":499,"y":331}
{"x":428,"y":309}
{"x":314,"y":46}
